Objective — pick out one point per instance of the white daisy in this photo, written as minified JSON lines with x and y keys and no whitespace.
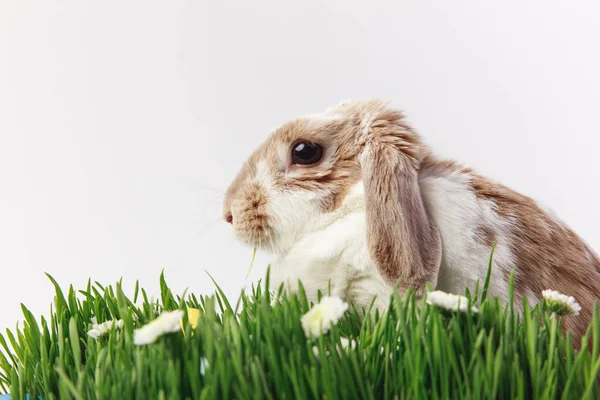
{"x":103,"y":328}
{"x":449,"y":301}
{"x":167,"y":322}
{"x":561,"y":304}
{"x":318,"y":320}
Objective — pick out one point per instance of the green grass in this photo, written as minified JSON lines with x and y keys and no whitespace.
{"x":250,"y":348}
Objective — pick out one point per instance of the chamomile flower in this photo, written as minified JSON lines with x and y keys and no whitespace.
{"x":318,"y":320}
{"x":561,"y":304}
{"x":103,"y":328}
{"x":449,"y":301}
{"x":167,"y":322}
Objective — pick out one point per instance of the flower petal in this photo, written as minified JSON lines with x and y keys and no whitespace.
{"x":561,"y":304}
{"x":449,"y":301}
{"x":167,"y":322}
{"x":318,"y":320}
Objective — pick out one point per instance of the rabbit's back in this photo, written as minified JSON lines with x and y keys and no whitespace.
{"x":472,"y":213}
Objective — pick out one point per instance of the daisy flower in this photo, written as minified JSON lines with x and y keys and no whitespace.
{"x":561,"y":304}
{"x":103,"y":328}
{"x":449,"y":301}
{"x":318,"y":320}
{"x":167,"y":322}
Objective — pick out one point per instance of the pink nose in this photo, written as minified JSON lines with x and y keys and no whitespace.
{"x":229,"y":218}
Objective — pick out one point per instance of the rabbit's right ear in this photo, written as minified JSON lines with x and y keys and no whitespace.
{"x":402,"y":239}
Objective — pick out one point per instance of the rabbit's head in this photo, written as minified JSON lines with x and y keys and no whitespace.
{"x":304,"y":170}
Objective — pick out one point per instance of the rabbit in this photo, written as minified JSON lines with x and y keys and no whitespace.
{"x":353,"y":202}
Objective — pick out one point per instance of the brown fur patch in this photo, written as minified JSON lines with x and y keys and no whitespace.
{"x":486,"y":234}
{"x":443,"y":167}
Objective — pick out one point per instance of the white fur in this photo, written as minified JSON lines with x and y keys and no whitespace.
{"x":289,"y":210}
{"x":263,"y":176}
{"x":532,"y":298}
{"x":319,"y":117}
{"x":465,"y":258}
{"x":333,"y":254}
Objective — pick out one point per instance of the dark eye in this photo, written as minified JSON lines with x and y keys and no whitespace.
{"x":306,"y":153}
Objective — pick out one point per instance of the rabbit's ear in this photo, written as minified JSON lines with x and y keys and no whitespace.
{"x":402,"y":239}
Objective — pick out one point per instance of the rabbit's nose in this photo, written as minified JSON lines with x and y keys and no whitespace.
{"x":229,"y":218}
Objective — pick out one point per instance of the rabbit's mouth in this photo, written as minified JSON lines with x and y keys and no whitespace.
{"x":252,"y":228}
{"x":249,"y":216}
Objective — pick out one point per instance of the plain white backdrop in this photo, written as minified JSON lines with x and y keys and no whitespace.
{"x":122,"y":122}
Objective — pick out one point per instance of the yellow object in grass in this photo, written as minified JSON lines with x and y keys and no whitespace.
{"x":193,"y":316}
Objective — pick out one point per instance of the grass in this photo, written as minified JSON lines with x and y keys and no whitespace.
{"x":256,"y":348}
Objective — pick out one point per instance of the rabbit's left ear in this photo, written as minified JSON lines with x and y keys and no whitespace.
{"x":402,"y":239}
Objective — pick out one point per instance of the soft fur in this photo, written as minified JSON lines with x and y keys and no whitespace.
{"x":379,"y":207}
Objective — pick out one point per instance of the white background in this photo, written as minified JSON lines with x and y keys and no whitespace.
{"x":122,"y":122}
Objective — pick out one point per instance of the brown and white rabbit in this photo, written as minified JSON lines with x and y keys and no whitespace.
{"x":352,"y":199}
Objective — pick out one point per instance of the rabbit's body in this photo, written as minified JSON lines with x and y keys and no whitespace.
{"x":352,"y":199}
{"x":334,"y":256}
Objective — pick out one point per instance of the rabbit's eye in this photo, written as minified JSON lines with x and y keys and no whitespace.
{"x":306,"y":153}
